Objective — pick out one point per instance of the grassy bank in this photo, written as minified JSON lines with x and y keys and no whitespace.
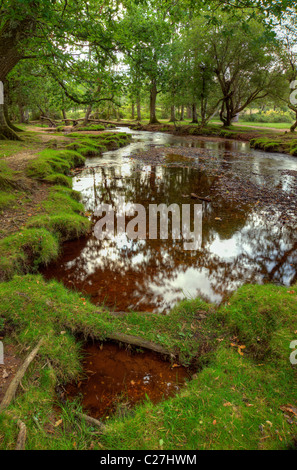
{"x":259,"y":138}
{"x":60,"y":215}
{"x":243,"y":391}
{"x":240,"y":397}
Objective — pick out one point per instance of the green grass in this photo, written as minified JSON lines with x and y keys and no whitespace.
{"x":8,"y":178}
{"x":265,"y":125}
{"x":91,"y":127}
{"x":234,"y":401}
{"x":38,"y":243}
{"x":285,"y":143}
{"x":63,"y":215}
{"x":67,"y":226}
{"x":91,"y":145}
{"x":6,"y":200}
{"x":26,"y":250}
{"x":50,"y":163}
{"x":239,"y":351}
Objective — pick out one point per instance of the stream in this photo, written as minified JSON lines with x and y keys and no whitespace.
{"x":243,"y":241}
{"x":248,"y":236}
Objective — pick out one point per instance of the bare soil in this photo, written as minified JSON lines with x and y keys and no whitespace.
{"x":8,"y":370}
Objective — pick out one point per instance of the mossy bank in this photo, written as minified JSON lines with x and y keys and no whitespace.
{"x":242,"y":394}
{"x":243,"y":389}
{"x":60,"y":215}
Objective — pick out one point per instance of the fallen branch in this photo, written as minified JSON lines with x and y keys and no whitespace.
{"x":21,"y":441}
{"x":11,"y":391}
{"x":137,"y":341}
{"x":53,"y":123}
{"x":92,"y":421}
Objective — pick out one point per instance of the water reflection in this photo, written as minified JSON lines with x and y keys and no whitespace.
{"x":244,"y":246}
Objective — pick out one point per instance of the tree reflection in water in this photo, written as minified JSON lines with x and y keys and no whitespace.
{"x":245,"y":246}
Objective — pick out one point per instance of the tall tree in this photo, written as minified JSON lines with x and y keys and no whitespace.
{"x":144,"y":36}
{"x":47,"y":30}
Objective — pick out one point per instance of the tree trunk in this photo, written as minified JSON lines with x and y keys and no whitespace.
{"x":67,"y":122}
{"x":189,"y":112}
{"x":226,"y":118}
{"x":294,"y":126}
{"x":12,"y":33}
{"x":133,"y":110}
{"x":153,"y":100}
{"x":194,"y":114}
{"x":182,"y":113}
{"x":138,"y":109}
{"x":22,"y":114}
{"x":172,"y":114}
{"x":5,"y":131}
{"x":88,"y":113}
{"x":10,"y":125}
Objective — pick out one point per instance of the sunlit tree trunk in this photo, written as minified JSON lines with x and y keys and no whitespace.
{"x":138,"y":109}
{"x":182,"y":113}
{"x":65,"y":117}
{"x":87,"y":116}
{"x":133,"y":110}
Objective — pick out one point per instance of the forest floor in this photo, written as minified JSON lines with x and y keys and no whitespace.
{"x":243,"y":389}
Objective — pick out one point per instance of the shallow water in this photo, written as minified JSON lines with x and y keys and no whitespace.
{"x":117,"y":379}
{"x":246,"y":245}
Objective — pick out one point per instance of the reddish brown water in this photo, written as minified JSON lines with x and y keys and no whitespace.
{"x":117,"y":379}
{"x":240,"y":244}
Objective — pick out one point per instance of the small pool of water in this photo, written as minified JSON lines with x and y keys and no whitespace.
{"x":118,"y":379}
{"x":240,"y":243}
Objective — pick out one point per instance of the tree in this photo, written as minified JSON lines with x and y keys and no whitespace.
{"x":288,"y":65}
{"x":144,"y":36}
{"x":243,"y":56}
{"x":49,"y":29}
{"x":196,"y":67}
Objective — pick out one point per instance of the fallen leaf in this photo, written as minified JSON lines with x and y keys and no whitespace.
{"x":58,"y":423}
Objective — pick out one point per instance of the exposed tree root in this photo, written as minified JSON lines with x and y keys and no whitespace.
{"x":92,"y":421}
{"x":21,"y":441}
{"x":140,"y":342}
{"x":11,"y":391}
{"x":6,"y":133}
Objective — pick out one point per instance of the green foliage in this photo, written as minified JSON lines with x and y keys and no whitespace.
{"x":269,"y":117}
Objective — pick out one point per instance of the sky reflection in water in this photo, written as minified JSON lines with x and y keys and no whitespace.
{"x":152,"y":275}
